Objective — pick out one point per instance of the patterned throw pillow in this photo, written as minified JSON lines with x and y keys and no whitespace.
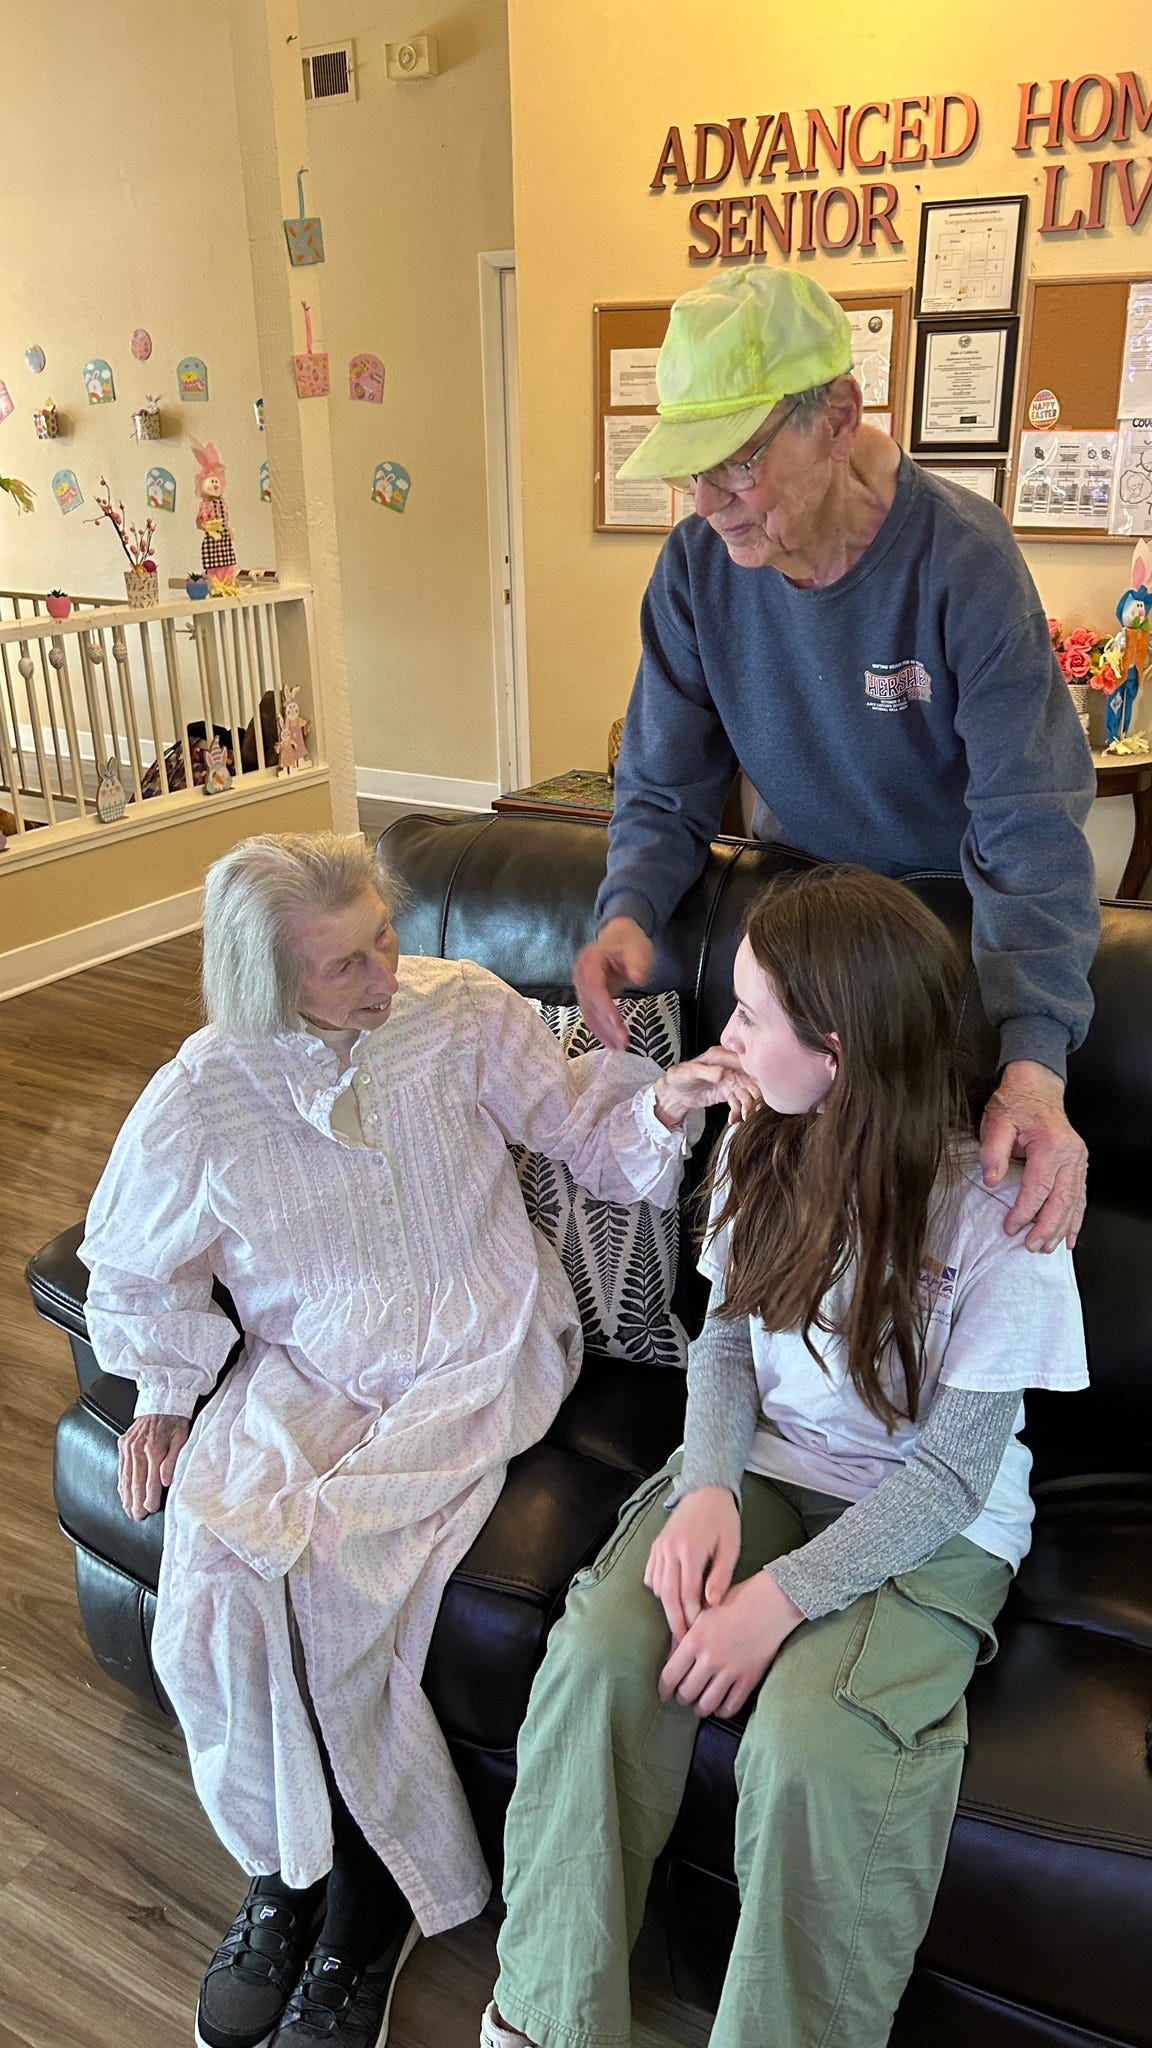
{"x":619,"y":1256}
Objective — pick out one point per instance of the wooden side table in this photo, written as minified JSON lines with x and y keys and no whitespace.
{"x":1130,"y":775}
{"x":585,"y":793}
{"x":581,"y":793}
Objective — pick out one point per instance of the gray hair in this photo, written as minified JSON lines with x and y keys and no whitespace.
{"x":809,"y":406}
{"x":252,"y":897}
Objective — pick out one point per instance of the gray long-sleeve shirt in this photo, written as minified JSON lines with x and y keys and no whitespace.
{"x":909,"y":716}
{"x":935,"y":1495}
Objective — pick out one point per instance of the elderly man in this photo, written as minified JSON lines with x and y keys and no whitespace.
{"x":334,"y":1149}
{"x":865,"y":641}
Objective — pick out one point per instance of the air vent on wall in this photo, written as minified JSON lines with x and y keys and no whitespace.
{"x":330,"y":73}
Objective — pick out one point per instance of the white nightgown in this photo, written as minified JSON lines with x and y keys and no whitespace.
{"x":407,"y":1333}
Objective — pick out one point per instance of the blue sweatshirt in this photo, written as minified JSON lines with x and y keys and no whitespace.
{"x":910,"y":716}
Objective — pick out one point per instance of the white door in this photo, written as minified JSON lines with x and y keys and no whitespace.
{"x":502,"y":442}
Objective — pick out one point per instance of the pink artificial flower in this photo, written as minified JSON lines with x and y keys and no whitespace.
{"x":1053,"y":626}
{"x":1082,"y":637}
{"x":1075,"y":664}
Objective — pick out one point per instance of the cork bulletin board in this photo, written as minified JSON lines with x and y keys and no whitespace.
{"x":627,"y":338}
{"x":1072,"y":353}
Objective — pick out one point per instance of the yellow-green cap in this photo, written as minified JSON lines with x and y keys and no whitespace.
{"x":734,"y":348}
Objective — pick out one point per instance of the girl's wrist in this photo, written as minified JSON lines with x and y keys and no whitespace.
{"x":784,"y":1608}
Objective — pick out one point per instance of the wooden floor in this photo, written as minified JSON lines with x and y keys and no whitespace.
{"x":113,"y":1889}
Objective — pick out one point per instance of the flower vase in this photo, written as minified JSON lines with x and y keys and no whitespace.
{"x":1079,"y":695}
{"x":143,"y":586}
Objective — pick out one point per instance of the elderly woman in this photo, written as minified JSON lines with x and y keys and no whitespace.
{"x":333,"y":1148}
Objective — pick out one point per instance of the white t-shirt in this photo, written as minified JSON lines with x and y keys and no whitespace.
{"x":1001,"y":1317}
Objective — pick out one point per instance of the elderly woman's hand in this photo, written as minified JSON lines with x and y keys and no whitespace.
{"x":149,"y":1449}
{"x":715,"y":1076}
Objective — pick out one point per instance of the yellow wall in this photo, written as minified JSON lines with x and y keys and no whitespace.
{"x":121,"y":206}
{"x":594,"y":91}
{"x":411,"y":183}
{"x":44,"y":899}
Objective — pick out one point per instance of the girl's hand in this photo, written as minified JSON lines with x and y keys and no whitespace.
{"x":147,"y":1458}
{"x":701,"y":1542}
{"x":728,"y":1648}
{"x":715,"y":1076}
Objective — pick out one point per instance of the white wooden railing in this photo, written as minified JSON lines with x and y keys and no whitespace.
{"x":122,"y":684}
{"x":30,"y":604}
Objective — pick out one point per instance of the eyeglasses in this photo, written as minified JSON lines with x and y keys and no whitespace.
{"x":734,"y":477}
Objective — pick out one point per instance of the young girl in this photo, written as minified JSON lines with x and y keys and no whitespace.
{"x":846,"y":1514}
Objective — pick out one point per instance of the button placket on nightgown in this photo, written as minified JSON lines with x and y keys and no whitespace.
{"x":369,"y":1107}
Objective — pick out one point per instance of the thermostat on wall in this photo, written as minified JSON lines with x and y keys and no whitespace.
{"x":415,"y":58}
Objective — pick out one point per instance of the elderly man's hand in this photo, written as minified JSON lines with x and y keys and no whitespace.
{"x":620,"y":956}
{"x":149,"y":1449}
{"x":1025,"y":1120}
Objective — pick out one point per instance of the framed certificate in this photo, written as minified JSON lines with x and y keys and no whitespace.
{"x":962,"y":392}
{"x":970,"y":256}
{"x":879,"y":322}
{"x":985,"y":478}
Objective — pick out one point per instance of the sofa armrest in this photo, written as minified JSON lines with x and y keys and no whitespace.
{"x":58,"y":1283}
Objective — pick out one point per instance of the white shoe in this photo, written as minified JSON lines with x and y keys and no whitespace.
{"x":492,"y":2035}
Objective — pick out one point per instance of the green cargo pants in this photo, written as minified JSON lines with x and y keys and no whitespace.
{"x":847,"y":1774}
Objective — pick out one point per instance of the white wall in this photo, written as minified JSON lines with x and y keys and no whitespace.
{"x":121,"y":206}
{"x":411,"y":183}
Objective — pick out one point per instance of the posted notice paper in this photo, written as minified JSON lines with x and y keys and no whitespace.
{"x":640,"y":504}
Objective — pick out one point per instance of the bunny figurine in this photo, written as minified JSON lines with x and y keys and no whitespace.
{"x":217,"y":553}
{"x":1134,"y":612}
{"x":292,"y":736}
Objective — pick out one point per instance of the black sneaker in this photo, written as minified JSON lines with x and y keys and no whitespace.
{"x":343,"y":2006}
{"x":251,"y":1976}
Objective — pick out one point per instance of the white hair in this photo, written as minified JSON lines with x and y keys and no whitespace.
{"x":252,"y":897}
{"x":809,"y":406}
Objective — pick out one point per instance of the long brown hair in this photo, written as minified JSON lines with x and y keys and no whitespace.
{"x":844,"y":1192}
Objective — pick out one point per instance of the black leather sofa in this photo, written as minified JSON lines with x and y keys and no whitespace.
{"x":1042,"y":1934}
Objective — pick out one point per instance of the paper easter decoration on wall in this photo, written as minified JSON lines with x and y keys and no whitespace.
{"x":265,"y":484}
{"x":160,"y":490}
{"x":391,"y":485}
{"x":6,"y":404}
{"x":258,"y":410}
{"x":35,"y":358}
{"x":141,"y":344}
{"x":366,"y":379}
{"x":66,"y":490}
{"x":192,"y":380}
{"x":305,"y":237}
{"x":99,"y":382}
{"x":310,"y":370}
